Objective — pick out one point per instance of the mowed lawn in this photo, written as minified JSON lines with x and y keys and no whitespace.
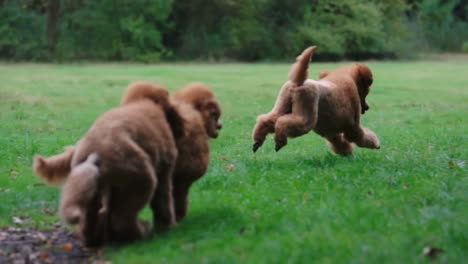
{"x":300,"y":205}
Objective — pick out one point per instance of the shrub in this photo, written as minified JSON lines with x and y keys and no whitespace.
{"x":437,"y":26}
{"x":115,"y":30}
{"x":351,"y":29}
{"x":22,"y":32}
{"x":465,"y":47}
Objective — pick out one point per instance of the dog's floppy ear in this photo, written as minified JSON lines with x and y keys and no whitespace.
{"x":175,"y":121}
{"x":364,"y":80}
{"x":324,"y":74}
{"x":196,"y":94}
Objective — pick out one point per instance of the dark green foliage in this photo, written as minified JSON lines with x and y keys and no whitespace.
{"x":154,"y":30}
{"x":22,"y":31}
{"x":114,"y":30}
{"x":274,"y":29}
{"x":355,"y":29}
{"x":442,"y":25}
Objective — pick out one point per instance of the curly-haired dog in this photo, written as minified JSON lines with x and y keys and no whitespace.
{"x":124,"y":162}
{"x":84,"y":203}
{"x":332,"y":107}
{"x":200,"y":111}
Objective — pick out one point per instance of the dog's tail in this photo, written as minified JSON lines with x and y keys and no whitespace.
{"x":299,"y":71}
{"x":54,"y":170}
{"x":79,"y":189}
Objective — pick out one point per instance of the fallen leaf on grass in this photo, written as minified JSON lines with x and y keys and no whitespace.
{"x":47,"y":211}
{"x":454,"y":163}
{"x":41,"y":237}
{"x":33,"y":256}
{"x":230,"y":167}
{"x":432,"y":252}
{"x":242,"y":230}
{"x":44,"y":256}
{"x":67,"y":247}
{"x":48,"y":244}
{"x":17,"y":220}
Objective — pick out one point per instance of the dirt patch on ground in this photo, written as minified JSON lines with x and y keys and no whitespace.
{"x":59,"y":245}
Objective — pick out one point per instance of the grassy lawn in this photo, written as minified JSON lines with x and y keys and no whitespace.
{"x":300,"y":205}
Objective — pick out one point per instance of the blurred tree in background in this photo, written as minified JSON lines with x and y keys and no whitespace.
{"x":248,"y":30}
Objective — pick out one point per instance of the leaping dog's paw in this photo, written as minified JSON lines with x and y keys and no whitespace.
{"x":279,"y":146}
{"x":256,"y":146}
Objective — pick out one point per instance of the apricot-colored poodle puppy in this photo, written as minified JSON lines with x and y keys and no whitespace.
{"x":124,"y":162}
{"x":331,"y":107}
{"x":200,"y":111}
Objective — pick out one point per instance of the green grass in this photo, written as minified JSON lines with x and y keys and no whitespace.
{"x":300,"y":205}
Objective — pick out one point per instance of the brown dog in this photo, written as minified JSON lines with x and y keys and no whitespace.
{"x":124,"y":162}
{"x":332,"y":107}
{"x":85,"y":204}
{"x":200,"y":111}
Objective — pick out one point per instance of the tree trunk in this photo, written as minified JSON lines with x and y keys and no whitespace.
{"x":52,"y":21}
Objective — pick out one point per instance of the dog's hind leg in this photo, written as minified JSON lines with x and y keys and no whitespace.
{"x":162,"y":203}
{"x":266,"y":122}
{"x":363,"y":137}
{"x":340,"y":145}
{"x":265,"y":125}
{"x":181,"y":192}
{"x":303,"y":117}
{"x":128,"y":200}
{"x":94,"y":225}
{"x":123,"y":214}
{"x":130,"y":195}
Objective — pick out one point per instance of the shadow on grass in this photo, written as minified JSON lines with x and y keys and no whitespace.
{"x":328,"y":160}
{"x":206,"y":224}
{"x":210,"y":222}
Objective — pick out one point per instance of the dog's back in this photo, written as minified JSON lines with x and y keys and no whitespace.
{"x":120,"y":133}
{"x":340,"y":102}
{"x":336,"y":107}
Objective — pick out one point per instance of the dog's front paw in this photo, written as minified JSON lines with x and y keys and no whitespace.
{"x":256,"y":146}
{"x":280,"y":144}
{"x":375,"y":143}
{"x":370,"y":139}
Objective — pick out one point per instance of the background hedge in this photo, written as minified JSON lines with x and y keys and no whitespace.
{"x":245,"y":30}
